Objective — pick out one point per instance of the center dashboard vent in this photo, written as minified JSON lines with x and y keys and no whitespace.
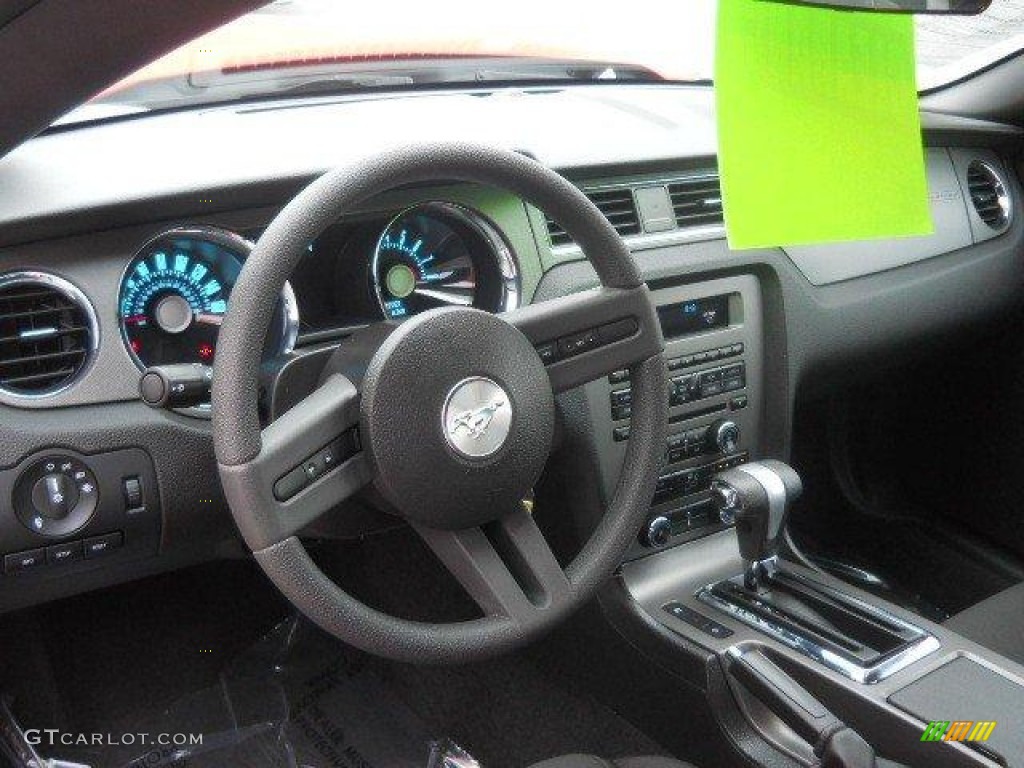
{"x":48,"y":333}
{"x":617,"y":205}
{"x":696,"y":201}
{"x":988,"y":195}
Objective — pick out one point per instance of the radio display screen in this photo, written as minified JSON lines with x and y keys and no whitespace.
{"x":694,"y":316}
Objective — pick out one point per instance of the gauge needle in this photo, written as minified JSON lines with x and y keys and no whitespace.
{"x":209,"y":318}
{"x":448,"y":297}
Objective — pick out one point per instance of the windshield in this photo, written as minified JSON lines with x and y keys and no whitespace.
{"x":295,"y":47}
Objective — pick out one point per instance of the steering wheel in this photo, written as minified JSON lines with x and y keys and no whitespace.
{"x":455,"y":416}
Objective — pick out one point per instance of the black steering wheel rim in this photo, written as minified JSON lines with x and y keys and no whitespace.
{"x":244,"y":451}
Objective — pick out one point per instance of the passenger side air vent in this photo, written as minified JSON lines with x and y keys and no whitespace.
{"x":617,"y":205}
{"x":48,"y":334}
{"x":696,"y":202}
{"x":988,"y":194}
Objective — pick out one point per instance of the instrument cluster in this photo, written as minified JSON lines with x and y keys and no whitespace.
{"x":175,"y":291}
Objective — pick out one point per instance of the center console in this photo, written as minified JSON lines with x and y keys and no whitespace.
{"x":714,"y":347}
{"x":822,"y":672}
{"x":798,"y":665}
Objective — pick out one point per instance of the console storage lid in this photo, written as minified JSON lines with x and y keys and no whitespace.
{"x":965,"y":691}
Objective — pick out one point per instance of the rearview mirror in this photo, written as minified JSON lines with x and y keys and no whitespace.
{"x":958,"y":7}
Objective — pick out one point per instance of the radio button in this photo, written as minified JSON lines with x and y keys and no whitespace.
{"x":658,"y":532}
{"x":622,"y":397}
{"x":734,"y":371}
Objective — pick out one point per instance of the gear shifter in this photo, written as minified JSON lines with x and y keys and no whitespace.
{"x":757,"y":496}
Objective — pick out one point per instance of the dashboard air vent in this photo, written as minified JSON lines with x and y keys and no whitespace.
{"x":48,"y":333}
{"x":617,"y":205}
{"x":988,"y":194}
{"x":696,"y":202}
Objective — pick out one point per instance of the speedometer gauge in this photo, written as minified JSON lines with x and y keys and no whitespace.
{"x":175,"y":293}
{"x":439,"y":254}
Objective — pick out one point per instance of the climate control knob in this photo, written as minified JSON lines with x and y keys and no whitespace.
{"x":724,"y":436}
{"x":658,"y":531}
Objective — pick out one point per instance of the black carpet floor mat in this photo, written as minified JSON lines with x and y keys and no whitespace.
{"x":207,"y":651}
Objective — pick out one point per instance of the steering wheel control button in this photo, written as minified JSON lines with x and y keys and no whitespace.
{"x":477,"y":417}
{"x":319,"y":464}
{"x":313,"y":467}
{"x":579,"y":343}
{"x":617,"y":331}
{"x":585,"y":341}
{"x":548,"y":353}
{"x":55,"y":496}
{"x":20,"y":562}
{"x":65,"y":553}
{"x":101,"y":546}
{"x":289,"y":485}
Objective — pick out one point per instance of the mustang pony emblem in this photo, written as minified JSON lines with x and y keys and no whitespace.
{"x":476,"y":420}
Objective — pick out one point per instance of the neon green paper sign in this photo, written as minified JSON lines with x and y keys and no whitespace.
{"x":818,"y":125}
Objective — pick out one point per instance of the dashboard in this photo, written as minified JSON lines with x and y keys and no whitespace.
{"x":115,"y":260}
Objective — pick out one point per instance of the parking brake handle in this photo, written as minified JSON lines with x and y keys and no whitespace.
{"x":835,"y":743}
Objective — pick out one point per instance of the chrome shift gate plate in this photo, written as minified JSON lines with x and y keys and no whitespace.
{"x":901,"y":643}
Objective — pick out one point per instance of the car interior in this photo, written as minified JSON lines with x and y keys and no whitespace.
{"x":389,"y":407}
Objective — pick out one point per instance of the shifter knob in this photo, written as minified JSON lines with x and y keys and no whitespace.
{"x":757,"y":497}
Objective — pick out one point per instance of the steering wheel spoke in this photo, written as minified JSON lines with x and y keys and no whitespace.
{"x":587,"y":335}
{"x":310,"y":461}
{"x":507,"y":567}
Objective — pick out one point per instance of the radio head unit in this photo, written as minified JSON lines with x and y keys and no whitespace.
{"x":694,"y":316}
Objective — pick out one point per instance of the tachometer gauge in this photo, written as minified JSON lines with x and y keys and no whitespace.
{"x":175,"y":292}
{"x":439,"y":254}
